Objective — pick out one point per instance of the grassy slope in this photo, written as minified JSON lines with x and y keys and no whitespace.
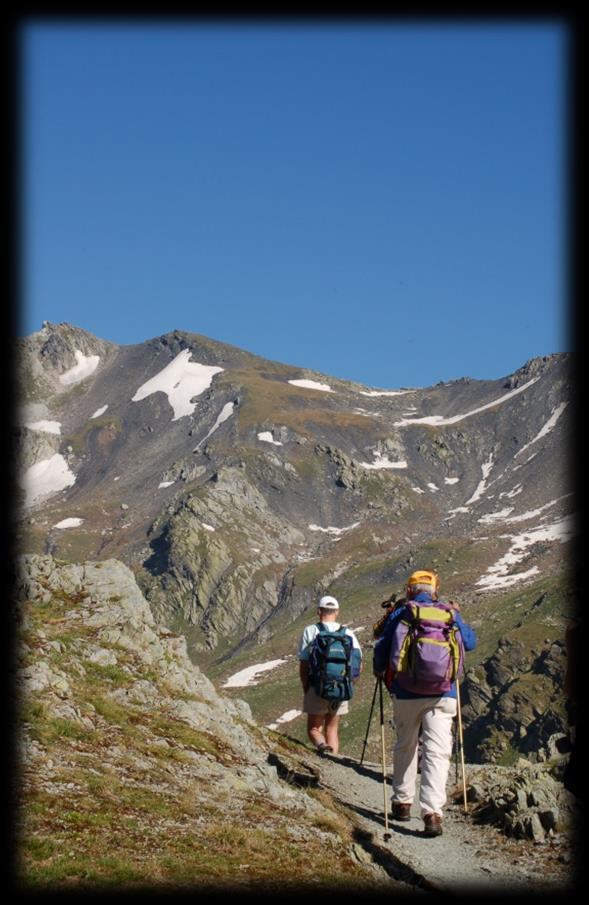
{"x":125,"y":801}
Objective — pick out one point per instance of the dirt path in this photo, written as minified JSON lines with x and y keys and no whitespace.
{"x":468,"y":857}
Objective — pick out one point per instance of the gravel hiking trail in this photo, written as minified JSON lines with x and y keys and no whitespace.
{"x":467,"y":858}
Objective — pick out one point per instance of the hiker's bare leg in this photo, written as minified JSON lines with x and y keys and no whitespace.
{"x":315,"y":728}
{"x":331,"y":731}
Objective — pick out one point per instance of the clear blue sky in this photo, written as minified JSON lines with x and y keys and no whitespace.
{"x":379,"y":201}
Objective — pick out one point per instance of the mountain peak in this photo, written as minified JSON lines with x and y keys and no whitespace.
{"x":535,"y":367}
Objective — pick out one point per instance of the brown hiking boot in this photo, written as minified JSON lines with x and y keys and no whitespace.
{"x":401,"y":811}
{"x":433,"y":824}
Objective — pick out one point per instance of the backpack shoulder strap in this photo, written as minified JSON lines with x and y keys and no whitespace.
{"x":447,"y":608}
{"x":340,"y":633}
{"x":444,"y":606}
{"x":411,"y":613}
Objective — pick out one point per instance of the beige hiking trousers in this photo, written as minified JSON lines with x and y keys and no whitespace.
{"x":435,"y":716}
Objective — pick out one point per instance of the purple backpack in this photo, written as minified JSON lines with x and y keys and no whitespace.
{"x":427,"y":652}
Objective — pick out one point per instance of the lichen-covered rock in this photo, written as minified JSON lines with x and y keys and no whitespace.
{"x":526,"y":801}
{"x":514,"y":701}
{"x":210,"y":578}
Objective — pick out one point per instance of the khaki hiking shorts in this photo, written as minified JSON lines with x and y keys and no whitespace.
{"x":317,"y":706}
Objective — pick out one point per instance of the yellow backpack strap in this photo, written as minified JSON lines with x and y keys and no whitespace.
{"x":437,"y":614}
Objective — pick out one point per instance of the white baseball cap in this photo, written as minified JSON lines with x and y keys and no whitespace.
{"x":328,"y":603}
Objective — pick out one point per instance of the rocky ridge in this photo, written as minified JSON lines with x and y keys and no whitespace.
{"x":136,"y":771}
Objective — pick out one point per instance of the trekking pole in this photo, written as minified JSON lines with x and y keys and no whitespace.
{"x":369,"y":721}
{"x":460,"y":736}
{"x":387,"y":835}
{"x":456,"y":751}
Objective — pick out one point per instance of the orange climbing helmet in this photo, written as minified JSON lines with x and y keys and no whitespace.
{"x":423,"y":580}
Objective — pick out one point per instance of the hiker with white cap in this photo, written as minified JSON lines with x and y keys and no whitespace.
{"x":330,"y":662}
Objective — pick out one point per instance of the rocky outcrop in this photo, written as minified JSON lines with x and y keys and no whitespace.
{"x":207,"y":567}
{"x":105,"y":600}
{"x":527,"y":801}
{"x":120,"y":730}
{"x":49,"y":353}
{"x":513,"y":703}
{"x":535,"y":367}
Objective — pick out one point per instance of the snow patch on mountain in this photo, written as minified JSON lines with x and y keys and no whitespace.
{"x":332,"y":530}
{"x":84,"y":367}
{"x":181,"y":380}
{"x":99,"y":412}
{"x":496,"y":516}
{"x":454,"y":512}
{"x":69,"y":523}
{"x":486,"y":468}
{"x":533,"y":513}
{"x":529,"y":459}
{"x":556,"y":413}
{"x":498,"y":575}
{"x":46,"y":427}
{"x":225,"y":413}
{"x":503,"y":514}
{"x":439,"y":420}
{"x":247,"y":676}
{"x":496,"y":582}
{"x":385,"y":392}
{"x":381,"y":461}
{"x":312,"y":385}
{"x":513,"y":492}
{"x":266,"y":437}
{"x":287,"y":717}
{"x":46,"y":477}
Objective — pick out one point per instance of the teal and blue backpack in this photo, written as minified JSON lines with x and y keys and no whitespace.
{"x":333,"y":663}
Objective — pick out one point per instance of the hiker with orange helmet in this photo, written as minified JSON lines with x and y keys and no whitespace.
{"x":420,"y":657}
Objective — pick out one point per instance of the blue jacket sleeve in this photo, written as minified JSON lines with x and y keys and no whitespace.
{"x":382,"y":646}
{"x":468,"y":634}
